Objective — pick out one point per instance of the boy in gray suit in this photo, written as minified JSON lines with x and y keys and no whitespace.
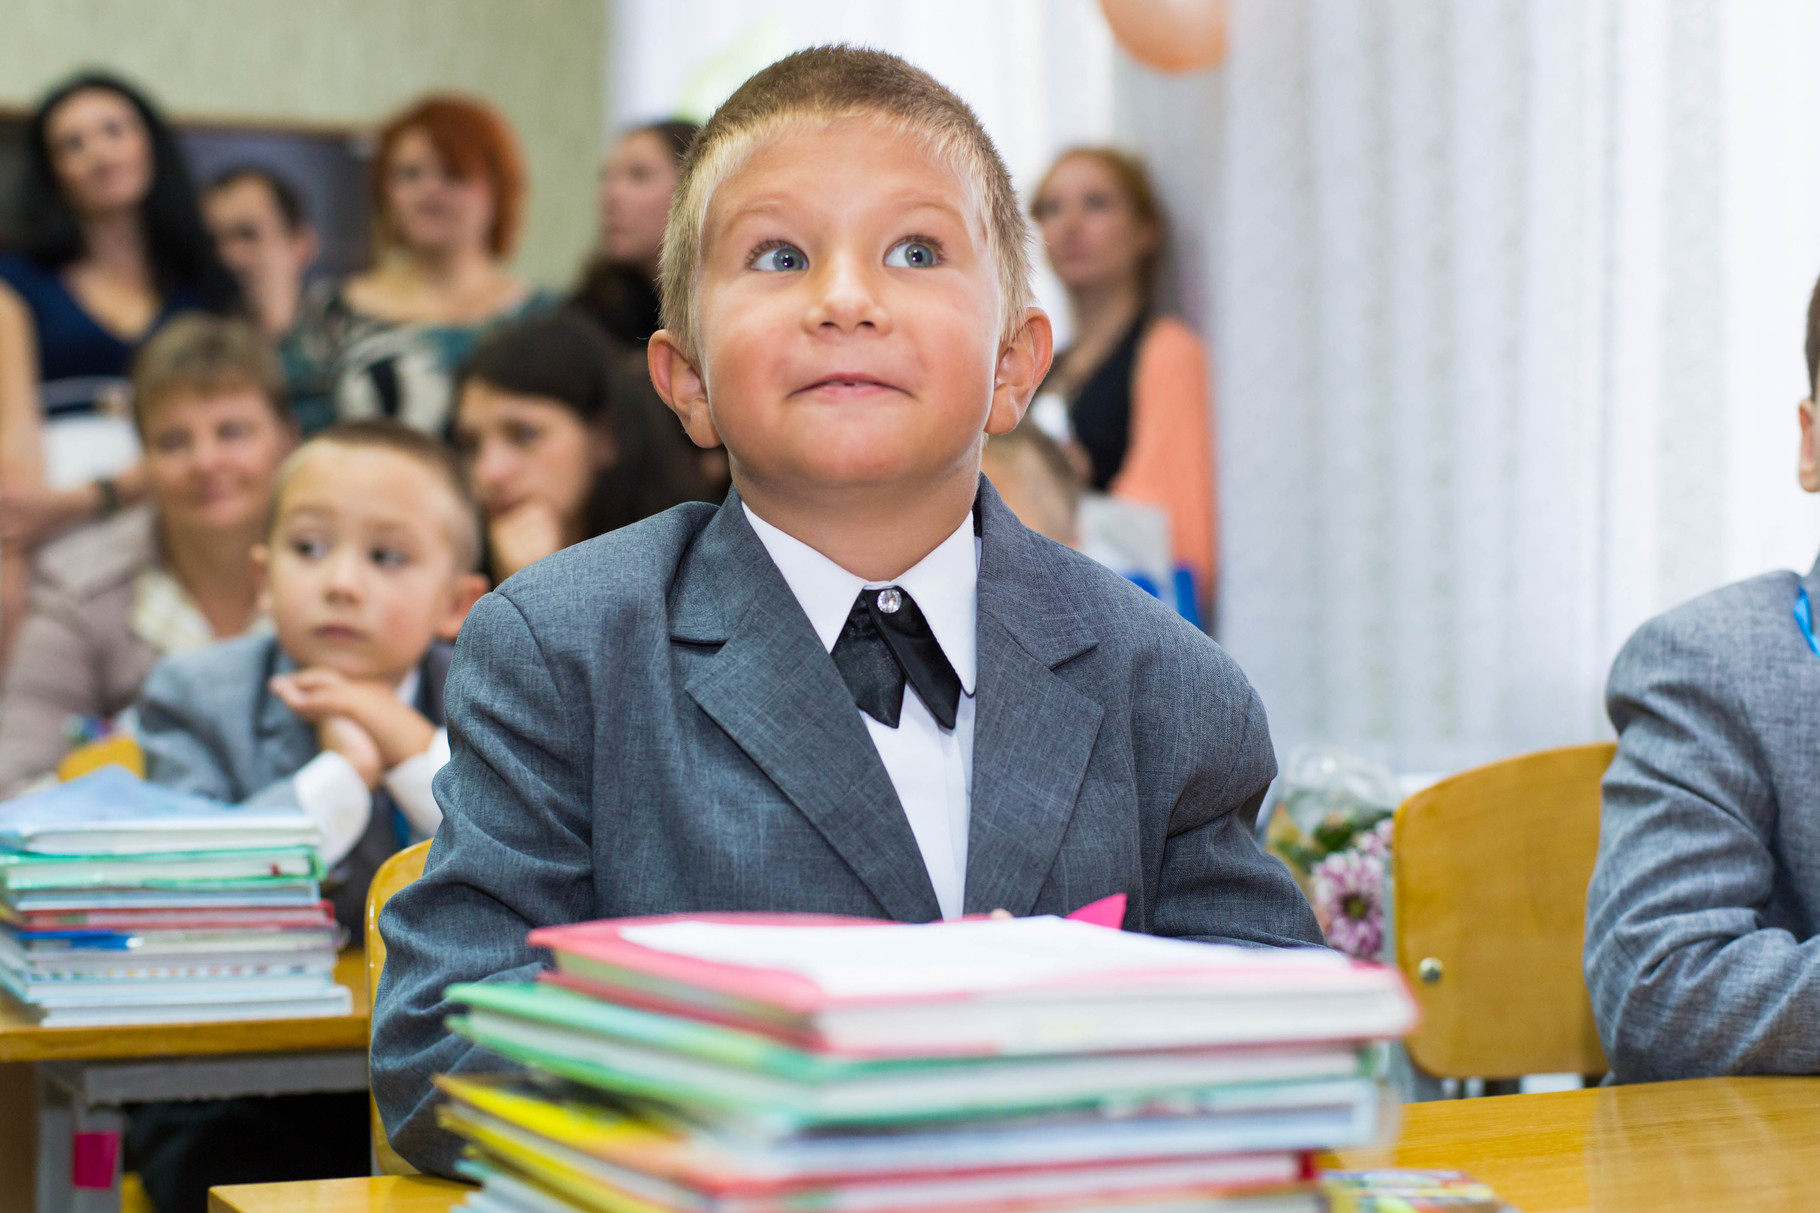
{"x":1702,"y":951}
{"x":337,"y":709}
{"x":860,"y":686}
{"x":368,"y":571}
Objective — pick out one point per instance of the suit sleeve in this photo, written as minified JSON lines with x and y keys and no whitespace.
{"x":1687,"y":978}
{"x":1216,"y":883}
{"x":513,"y":852}
{"x":184,"y":748}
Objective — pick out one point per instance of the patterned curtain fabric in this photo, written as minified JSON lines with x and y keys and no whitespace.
{"x":1508,"y":302}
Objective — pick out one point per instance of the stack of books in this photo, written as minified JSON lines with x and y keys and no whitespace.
{"x":769,"y":1064}
{"x":123,"y":902}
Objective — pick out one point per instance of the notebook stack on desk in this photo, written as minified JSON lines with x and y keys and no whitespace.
{"x":766,"y":1064}
{"x":123,"y":902}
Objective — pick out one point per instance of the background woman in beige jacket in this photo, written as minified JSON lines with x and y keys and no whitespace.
{"x":173,"y":574}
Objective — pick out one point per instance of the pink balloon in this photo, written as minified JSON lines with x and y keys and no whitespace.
{"x":1169,"y":35}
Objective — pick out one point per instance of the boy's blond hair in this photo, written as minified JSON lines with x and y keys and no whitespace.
{"x":818,"y":86}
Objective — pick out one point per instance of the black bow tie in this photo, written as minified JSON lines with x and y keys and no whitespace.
{"x":885,"y":641}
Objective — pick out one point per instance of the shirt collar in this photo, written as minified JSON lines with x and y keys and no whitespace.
{"x":945,"y":585}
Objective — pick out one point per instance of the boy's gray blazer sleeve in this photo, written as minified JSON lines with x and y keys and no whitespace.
{"x":1689,"y":976}
{"x":1217,"y":884}
{"x":195,"y":742}
{"x":185,"y":744}
{"x":512,"y":853}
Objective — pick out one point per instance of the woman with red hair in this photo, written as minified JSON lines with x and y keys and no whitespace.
{"x":448,"y":189}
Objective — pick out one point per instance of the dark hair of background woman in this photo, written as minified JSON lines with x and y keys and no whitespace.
{"x":618,"y":297}
{"x":566,"y":358}
{"x":180,"y":250}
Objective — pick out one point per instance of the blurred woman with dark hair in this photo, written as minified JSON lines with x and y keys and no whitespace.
{"x":110,"y":246}
{"x":448,"y":188}
{"x":1132,"y":387}
{"x":561,"y":444}
{"x":618,"y":289}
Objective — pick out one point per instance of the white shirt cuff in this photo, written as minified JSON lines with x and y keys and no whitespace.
{"x":409,"y":784}
{"x":333,"y":795}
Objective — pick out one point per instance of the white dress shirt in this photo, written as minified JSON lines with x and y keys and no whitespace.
{"x":931,"y":767}
{"x":333,"y":795}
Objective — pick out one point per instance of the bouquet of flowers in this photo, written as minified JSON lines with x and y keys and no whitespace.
{"x":1331,"y":827}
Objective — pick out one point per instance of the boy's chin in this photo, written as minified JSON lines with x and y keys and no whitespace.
{"x":348,"y":661}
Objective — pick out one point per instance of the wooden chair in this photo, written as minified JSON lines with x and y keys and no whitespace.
{"x":118,"y":750}
{"x":394,"y":874}
{"x":1490,"y":869}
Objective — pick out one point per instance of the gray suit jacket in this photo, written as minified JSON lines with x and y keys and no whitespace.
{"x":1701,"y":954}
{"x":646,"y":723}
{"x":209,"y":726}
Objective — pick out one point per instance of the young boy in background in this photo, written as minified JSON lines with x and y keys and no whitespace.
{"x":369,"y":571}
{"x":703,"y":712}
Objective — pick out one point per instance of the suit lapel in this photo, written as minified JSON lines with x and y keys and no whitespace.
{"x":1034,"y":732}
{"x":776,"y":692}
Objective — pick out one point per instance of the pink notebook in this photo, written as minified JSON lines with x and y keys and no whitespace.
{"x":1027,"y":985}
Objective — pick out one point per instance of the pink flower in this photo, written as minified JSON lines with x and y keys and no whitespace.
{"x":1349,"y":901}
{"x":1375,"y":842}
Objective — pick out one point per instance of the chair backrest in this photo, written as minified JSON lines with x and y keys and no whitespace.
{"x":120,"y":749}
{"x":394,"y":874}
{"x":1491,"y":868}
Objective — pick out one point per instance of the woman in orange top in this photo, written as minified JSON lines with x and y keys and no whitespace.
{"x":1135,"y":382}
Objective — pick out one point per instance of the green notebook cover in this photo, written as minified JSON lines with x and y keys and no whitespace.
{"x":20,"y":872}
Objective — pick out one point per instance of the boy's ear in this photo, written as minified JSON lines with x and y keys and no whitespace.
{"x":1021,"y":367}
{"x":1807,"y":468}
{"x":682,"y":387}
{"x":467,"y":591}
{"x":261,"y":556}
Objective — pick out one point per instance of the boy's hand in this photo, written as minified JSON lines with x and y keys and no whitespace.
{"x":524,"y":534}
{"x":344,"y":737}
{"x":317,"y":694}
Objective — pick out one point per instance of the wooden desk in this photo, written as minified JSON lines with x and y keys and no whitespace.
{"x":387,"y":1194}
{"x":1714,"y":1143}
{"x":77,"y":1078}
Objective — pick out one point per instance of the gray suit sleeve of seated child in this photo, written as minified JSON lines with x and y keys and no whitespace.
{"x":1699,"y":956}
{"x":512,"y":853}
{"x":646,"y":723}
{"x":207,"y":727}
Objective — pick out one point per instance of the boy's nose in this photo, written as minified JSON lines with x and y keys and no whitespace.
{"x":847,"y":298}
{"x":344,"y":567}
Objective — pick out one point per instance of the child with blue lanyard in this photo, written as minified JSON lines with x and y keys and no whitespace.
{"x":1702,"y":948}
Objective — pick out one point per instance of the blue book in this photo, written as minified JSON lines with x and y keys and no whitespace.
{"x":114,"y":812}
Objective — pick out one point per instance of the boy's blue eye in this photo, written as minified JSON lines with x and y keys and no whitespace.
{"x":913,"y":255}
{"x":389,"y":558}
{"x":780,"y":257}
{"x":310,"y":549}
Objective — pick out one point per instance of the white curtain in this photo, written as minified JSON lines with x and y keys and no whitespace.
{"x":1509,"y":298}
